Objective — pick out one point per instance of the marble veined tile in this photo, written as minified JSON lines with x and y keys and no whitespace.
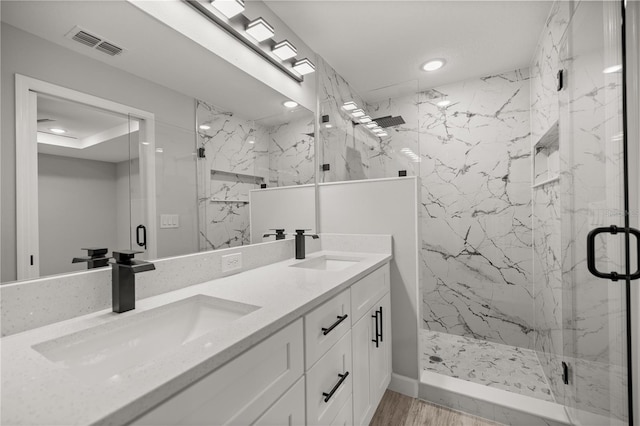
{"x":501,"y":366}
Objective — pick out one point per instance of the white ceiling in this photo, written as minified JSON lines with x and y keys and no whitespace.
{"x":80,"y":122}
{"x":379,"y":46}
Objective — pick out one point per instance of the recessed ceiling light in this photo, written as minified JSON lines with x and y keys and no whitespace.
{"x":358,"y":113}
{"x":304,"y":66}
{"x":159,"y":150}
{"x":290,"y":104}
{"x":57,"y":130}
{"x":371,"y":125}
{"x":204,"y":127}
{"x":365,"y":119}
{"x":433,"y":65}
{"x":228,"y":8}
{"x":328,"y":125}
{"x":260,"y":29}
{"x":612,"y":69}
{"x":349,"y":106}
{"x":443,"y":103}
{"x":144,"y":143}
{"x":284,"y":50}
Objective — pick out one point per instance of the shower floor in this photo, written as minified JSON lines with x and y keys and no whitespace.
{"x":491,"y":364}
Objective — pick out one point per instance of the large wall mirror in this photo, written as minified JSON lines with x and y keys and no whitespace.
{"x":123,"y":154}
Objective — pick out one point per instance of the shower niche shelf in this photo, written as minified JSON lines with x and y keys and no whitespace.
{"x":232,"y":187}
{"x":546,"y":157}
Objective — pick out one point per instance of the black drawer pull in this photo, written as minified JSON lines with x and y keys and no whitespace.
{"x":376,"y":341}
{"x":326,"y":331}
{"x":381,"y":325}
{"x":343,"y":377}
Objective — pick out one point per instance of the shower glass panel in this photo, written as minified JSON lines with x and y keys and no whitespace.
{"x":591,"y":192}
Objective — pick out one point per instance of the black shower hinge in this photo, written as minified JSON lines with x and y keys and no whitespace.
{"x":326,"y":167}
{"x":565,"y":373}
{"x":560,"y":78}
{"x":402,"y":173}
{"x":201,"y":152}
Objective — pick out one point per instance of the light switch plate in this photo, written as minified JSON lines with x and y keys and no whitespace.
{"x":168,"y":221}
{"x":231,"y":262}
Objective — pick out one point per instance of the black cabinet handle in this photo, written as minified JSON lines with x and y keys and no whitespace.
{"x":381,"y":325}
{"x":141,"y":242}
{"x":326,"y":331}
{"x":376,"y":341}
{"x":343,"y":377}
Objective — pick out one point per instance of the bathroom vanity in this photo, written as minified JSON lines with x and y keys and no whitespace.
{"x":294,"y":342}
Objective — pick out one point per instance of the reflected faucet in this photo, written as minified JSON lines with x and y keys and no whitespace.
{"x":279,"y":234}
{"x":123,"y":280}
{"x":300,"y":249}
{"x":95,"y":259}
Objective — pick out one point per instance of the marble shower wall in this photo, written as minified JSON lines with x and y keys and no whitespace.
{"x":352,"y":152}
{"x":547,"y":258}
{"x":232,"y":167}
{"x":476,"y":218}
{"x":292,"y":152}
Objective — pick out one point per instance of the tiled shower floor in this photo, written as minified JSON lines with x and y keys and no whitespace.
{"x":505,"y":367}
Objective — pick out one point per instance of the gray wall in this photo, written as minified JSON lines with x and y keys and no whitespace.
{"x":29,"y":55}
{"x":90,"y":188}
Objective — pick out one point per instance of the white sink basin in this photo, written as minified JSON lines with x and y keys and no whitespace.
{"x":105,"y":351}
{"x":328,"y":263}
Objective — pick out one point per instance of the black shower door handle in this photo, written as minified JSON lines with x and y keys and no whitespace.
{"x":142,"y":242}
{"x":591,"y":252}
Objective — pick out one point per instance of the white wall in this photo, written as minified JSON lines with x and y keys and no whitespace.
{"x":385,"y":206}
{"x":90,"y":187}
{"x":29,"y":55}
{"x":291,"y":208}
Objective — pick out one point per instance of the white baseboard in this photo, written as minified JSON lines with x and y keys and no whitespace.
{"x":404,"y":385}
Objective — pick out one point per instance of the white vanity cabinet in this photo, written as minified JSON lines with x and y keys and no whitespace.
{"x":239,"y":392}
{"x":330,"y":367}
{"x":371,"y":336}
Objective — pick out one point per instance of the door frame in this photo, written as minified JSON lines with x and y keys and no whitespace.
{"x":27,"y":233}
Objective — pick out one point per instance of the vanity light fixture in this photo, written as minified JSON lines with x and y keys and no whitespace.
{"x":304,"y":66}
{"x":612,"y":69}
{"x":290,"y":104}
{"x":371,"y":125}
{"x":365,"y":119}
{"x":382,"y":134}
{"x":358,"y":113}
{"x":57,"y":130}
{"x":432,"y":65}
{"x":284,"y":50}
{"x":204,"y":127}
{"x":377,"y":130}
{"x":228,"y":8}
{"x":349,"y":106}
{"x":260,"y":29}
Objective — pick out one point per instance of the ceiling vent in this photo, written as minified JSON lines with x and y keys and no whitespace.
{"x":94,"y":41}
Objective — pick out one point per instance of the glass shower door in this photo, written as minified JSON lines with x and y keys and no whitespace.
{"x":593,"y":193}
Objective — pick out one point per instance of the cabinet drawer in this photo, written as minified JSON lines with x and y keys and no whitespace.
{"x":325,"y":325}
{"x":367,"y":291}
{"x":345,"y":416}
{"x":323,"y":379}
{"x":288,"y":410}
{"x":240,"y":391}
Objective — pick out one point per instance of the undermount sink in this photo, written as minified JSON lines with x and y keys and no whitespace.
{"x":328,"y":263}
{"x":105,"y":351}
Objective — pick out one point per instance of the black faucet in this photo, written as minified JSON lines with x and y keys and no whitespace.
{"x":300,"y":242}
{"x":279,"y":234}
{"x":96,"y":257}
{"x":123,"y":280}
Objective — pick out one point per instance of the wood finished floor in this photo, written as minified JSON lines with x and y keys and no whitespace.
{"x":396,"y":409}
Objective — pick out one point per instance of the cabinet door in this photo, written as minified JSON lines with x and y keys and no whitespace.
{"x":362,"y":333}
{"x":380,"y":358}
{"x":288,"y":410}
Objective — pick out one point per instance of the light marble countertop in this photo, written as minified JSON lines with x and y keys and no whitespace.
{"x":36,"y":390}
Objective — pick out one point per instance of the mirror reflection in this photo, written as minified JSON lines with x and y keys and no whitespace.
{"x":180,"y":186}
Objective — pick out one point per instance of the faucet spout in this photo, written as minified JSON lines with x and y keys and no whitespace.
{"x":123,"y":281}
